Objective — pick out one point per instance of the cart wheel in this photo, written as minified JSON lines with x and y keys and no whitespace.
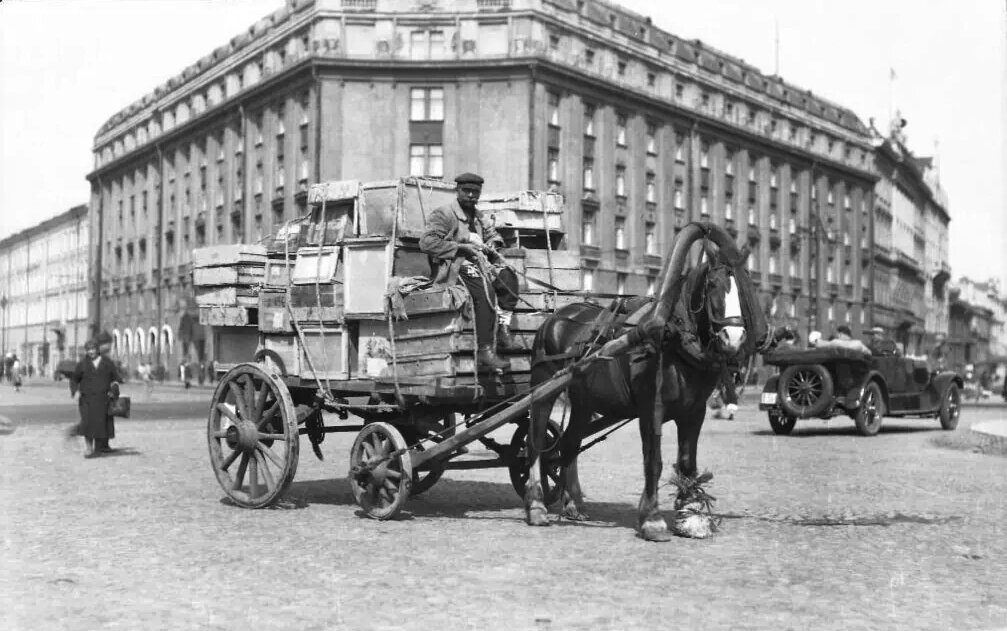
{"x":423,"y":481}
{"x":550,"y":472}
{"x":252,"y":435}
{"x":380,"y":481}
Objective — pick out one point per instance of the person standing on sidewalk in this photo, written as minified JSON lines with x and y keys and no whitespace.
{"x":96,"y":377}
{"x":15,"y":371}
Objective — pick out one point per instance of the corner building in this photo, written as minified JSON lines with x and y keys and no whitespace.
{"x":642,"y":130}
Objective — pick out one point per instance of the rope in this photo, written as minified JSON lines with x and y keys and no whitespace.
{"x":388,"y":314}
{"x":318,"y":293}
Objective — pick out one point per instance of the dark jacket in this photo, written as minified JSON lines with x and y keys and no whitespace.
{"x":95,"y":385}
{"x":446,"y":227}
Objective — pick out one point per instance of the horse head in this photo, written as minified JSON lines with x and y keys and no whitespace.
{"x":715,"y":302}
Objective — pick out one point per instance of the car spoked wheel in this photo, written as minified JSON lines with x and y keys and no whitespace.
{"x":805,"y":390}
{"x":950,"y":408}
{"x":871,"y":412}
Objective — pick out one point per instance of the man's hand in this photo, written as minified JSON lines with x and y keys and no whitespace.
{"x":468,"y":250}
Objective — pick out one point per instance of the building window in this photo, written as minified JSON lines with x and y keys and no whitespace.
{"x":620,"y":130}
{"x":679,"y":90}
{"x":553,"y":41}
{"x":651,"y":79}
{"x":426,"y":45}
{"x":679,"y":149}
{"x":588,"y":279}
{"x":728,"y":209}
{"x":751,"y":216}
{"x":587,"y":227}
{"x":830,"y":313}
{"x":553,"y":166}
{"x":704,"y":156}
{"x":588,"y":174}
{"x":846,"y":201}
{"x":650,"y":238}
{"x":620,"y":233}
{"x":792,"y":267}
{"x":620,"y":283}
{"x":772,"y":263}
{"x":621,"y":68}
{"x":751,"y":171}
{"x":773,"y":177}
{"x":772,"y":220}
{"x":426,"y":160}
{"x":704,"y":99}
{"x":554,"y":109}
{"x":704,"y":205}
{"x":588,"y":56}
{"x":729,"y":163}
{"x":589,"y":111}
{"x":651,"y":187}
{"x":679,"y":201}
{"x":652,"y":139}
{"x":426,"y":104}
{"x":620,"y":181}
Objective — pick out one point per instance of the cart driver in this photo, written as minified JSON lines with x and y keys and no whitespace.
{"x":459,"y":241}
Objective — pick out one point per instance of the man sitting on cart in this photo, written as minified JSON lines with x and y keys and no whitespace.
{"x":462,"y":247}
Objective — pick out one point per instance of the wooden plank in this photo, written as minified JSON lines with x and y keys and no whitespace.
{"x":234,"y":275}
{"x":326,"y":295}
{"x":226,"y":297}
{"x":448,"y":365}
{"x":227,"y":316}
{"x":233,"y":254}
{"x":449,"y":343}
{"x":565,"y":279}
{"x":328,"y":351}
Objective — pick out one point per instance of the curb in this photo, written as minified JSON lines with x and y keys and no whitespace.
{"x":993,"y":432}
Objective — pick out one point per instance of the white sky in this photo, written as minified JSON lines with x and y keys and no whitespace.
{"x":67,"y":65}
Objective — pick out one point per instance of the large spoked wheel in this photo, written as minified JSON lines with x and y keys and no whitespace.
{"x":423,"y":481}
{"x":805,"y":390}
{"x":252,"y":435}
{"x":550,"y":468}
{"x":951,"y":407}
{"x":871,"y":412}
{"x":380,"y":479}
{"x":781,"y":423}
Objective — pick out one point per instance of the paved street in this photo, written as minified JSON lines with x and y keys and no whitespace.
{"x":823,"y":529}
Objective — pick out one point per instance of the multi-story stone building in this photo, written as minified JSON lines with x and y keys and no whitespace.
{"x":43,"y":291}
{"x":642,"y":131}
{"x":911,"y":268}
{"x":977,"y":318}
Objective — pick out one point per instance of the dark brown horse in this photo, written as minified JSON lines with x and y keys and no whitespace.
{"x":700,"y":321}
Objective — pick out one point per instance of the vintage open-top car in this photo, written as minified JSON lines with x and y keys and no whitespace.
{"x":828,"y":381}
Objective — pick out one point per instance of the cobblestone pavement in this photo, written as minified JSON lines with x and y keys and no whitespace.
{"x":823,"y":529}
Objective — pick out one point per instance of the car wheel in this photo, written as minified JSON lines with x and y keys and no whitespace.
{"x":950,"y":407}
{"x":805,"y":390}
{"x":871,"y":411}
{"x":782,"y":424}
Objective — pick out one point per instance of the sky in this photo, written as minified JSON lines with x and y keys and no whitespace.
{"x":68,"y":65}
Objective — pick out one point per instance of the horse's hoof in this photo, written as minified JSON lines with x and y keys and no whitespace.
{"x":656,"y":530}
{"x":575,"y":515}
{"x":537,"y":517}
{"x":694,"y":526}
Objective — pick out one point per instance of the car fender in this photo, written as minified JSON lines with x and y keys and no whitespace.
{"x":771,"y":384}
{"x":943,"y":380}
{"x":855,"y":395}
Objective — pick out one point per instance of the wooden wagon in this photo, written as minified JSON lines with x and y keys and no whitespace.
{"x":334,"y":314}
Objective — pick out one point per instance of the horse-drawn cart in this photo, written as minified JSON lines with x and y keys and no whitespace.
{"x":335,"y":315}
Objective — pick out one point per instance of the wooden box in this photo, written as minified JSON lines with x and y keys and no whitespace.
{"x":315,"y":265}
{"x":233,"y":345}
{"x":328,"y":352}
{"x":365,"y":263}
{"x":231,"y":275}
{"x":226,"y":297}
{"x":226,"y":255}
{"x":565,"y":274}
{"x":411,"y":200}
{"x":228,"y":316}
{"x":287,"y":348}
{"x":278,"y":271}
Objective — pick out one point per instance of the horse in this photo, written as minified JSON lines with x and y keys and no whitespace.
{"x":678,"y":351}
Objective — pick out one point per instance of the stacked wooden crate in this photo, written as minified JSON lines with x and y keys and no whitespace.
{"x":226,"y":281}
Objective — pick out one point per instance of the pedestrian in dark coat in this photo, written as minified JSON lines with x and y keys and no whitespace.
{"x":96,"y":377}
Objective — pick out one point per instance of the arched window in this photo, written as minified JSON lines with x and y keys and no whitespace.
{"x":116,"y":342}
{"x":127,"y":344}
{"x":152,"y":339}
{"x":139,"y":341}
{"x":167,"y":340}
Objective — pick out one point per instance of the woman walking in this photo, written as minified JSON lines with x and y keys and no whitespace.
{"x":96,"y":378}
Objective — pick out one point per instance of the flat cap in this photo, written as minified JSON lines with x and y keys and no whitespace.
{"x":878,"y":330}
{"x":469,"y":178}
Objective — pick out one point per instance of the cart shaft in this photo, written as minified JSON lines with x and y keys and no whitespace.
{"x":484,"y":427}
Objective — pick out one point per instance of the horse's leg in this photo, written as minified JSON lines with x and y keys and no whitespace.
{"x":573,"y":495}
{"x":651,"y":523}
{"x":692,"y":519}
{"x":536,"y":512}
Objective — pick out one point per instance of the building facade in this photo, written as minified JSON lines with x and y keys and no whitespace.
{"x":977,"y":319}
{"x":643,"y":131}
{"x":910,"y":260}
{"x":43,"y":291}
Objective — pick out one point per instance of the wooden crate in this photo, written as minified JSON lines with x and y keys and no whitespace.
{"x":315,"y":265}
{"x":232,"y":275}
{"x":287,"y":347}
{"x":226,"y":297}
{"x":312,"y":296}
{"x":446,"y":364}
{"x":278,"y":271}
{"x":411,"y":200}
{"x":233,"y":345}
{"x":565,"y":269}
{"x":329,"y":351}
{"x":365,"y":263}
{"x":228,"y":255}
{"x":228,"y":316}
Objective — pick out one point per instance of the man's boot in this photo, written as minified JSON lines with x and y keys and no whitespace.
{"x":505,"y":340}
{"x":487,"y":359}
